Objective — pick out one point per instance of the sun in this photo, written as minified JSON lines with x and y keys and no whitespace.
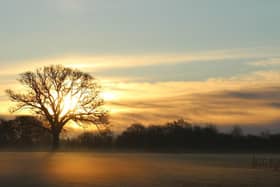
{"x":69,"y":103}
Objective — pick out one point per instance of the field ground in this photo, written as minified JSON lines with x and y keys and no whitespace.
{"x":133,"y":169}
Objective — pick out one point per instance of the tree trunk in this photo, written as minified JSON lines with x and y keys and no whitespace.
{"x":55,"y":141}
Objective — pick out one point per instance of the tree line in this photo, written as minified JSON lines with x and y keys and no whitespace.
{"x":178,"y":135}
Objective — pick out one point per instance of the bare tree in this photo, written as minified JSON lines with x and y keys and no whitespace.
{"x":58,"y":95}
{"x":236,"y":131}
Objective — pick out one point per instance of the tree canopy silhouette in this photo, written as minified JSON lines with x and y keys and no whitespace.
{"x":58,"y":95}
{"x":22,"y":132}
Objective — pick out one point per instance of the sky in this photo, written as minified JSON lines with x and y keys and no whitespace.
{"x":207,"y":61}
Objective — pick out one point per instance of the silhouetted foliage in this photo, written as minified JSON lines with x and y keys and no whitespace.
{"x":100,"y":139}
{"x":181,"y":135}
{"x":237,"y":131}
{"x":23,"y":131}
{"x":178,"y":135}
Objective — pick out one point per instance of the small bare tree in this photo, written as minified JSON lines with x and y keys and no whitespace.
{"x":58,"y":95}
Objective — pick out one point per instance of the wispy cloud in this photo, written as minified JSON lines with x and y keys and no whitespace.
{"x":94,"y":63}
{"x":267,"y":62}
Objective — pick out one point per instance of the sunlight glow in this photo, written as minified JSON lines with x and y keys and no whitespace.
{"x":108,"y":96}
{"x":69,"y":104}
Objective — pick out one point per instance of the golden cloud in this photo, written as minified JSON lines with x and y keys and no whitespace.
{"x":237,"y":100}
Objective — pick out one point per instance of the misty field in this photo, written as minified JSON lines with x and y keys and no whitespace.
{"x":133,"y":169}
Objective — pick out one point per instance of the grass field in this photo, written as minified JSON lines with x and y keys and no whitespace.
{"x":133,"y":169}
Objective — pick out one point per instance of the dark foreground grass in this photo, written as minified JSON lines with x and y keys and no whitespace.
{"x":134,"y":169}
